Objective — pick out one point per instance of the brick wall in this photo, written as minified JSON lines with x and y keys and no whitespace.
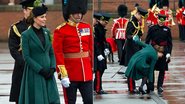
{"x":5,"y":2}
{"x":54,"y":18}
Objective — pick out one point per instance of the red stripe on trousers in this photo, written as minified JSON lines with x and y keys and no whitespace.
{"x":98,"y":81}
{"x":131,"y":84}
{"x":65,"y":95}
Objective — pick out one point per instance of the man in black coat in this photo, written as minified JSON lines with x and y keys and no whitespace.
{"x":96,"y":21}
{"x":100,"y":52}
{"x":14,"y":43}
{"x":160,"y":35}
{"x":130,"y":47}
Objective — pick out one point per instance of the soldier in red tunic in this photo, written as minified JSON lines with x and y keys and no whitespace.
{"x":118,"y":29}
{"x":152,"y":16}
{"x":180,"y":15}
{"x":72,"y":45}
{"x":168,"y":13}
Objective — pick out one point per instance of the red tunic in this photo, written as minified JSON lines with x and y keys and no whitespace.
{"x":151,"y":19}
{"x":71,"y":38}
{"x":119,"y":27}
{"x":168,"y":14}
{"x":180,"y":17}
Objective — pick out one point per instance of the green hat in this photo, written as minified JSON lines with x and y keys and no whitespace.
{"x":161,"y":17}
{"x":39,"y":8}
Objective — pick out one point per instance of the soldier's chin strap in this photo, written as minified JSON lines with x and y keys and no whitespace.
{"x":76,"y":20}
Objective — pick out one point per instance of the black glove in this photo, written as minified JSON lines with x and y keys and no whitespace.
{"x":45,"y":74}
{"x":51,"y":72}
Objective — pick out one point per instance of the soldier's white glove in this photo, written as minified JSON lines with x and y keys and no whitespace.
{"x":106,"y":51}
{"x":100,"y":57}
{"x":168,"y":57}
{"x":65,"y":82}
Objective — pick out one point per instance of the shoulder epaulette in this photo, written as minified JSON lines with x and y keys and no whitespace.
{"x":16,"y":30}
{"x":16,"y":23}
{"x":63,"y":24}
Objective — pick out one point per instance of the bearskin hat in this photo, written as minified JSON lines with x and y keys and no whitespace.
{"x":122,"y":10}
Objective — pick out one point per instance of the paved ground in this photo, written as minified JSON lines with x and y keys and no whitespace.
{"x":174,"y":86}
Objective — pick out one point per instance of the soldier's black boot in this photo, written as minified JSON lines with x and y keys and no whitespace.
{"x":160,"y":91}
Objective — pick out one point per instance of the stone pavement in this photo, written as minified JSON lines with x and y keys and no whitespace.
{"x":174,"y":83}
{"x":174,"y":92}
{"x":116,"y":86}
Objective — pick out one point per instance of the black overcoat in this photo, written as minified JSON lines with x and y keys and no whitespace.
{"x":160,"y":35}
{"x":130,"y":47}
{"x":99,"y":46}
{"x":14,"y":44}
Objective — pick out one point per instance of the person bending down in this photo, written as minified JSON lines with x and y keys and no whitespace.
{"x":141,"y":65}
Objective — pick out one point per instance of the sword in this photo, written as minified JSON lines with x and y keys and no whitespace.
{"x":116,"y":72}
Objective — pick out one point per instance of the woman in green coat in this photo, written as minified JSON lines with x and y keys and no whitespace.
{"x":38,"y":82}
{"x":141,"y":65}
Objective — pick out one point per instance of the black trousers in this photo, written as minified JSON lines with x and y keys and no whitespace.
{"x":181,"y":32}
{"x":120,"y":43}
{"x":98,"y":80}
{"x":85,"y":89}
{"x":160,"y":81}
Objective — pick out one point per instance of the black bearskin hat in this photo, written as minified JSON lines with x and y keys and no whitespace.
{"x":122,"y":10}
{"x":152,"y":3}
{"x":165,"y":3}
{"x":73,"y":6}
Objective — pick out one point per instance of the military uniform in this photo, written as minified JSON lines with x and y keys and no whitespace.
{"x":72,"y":43}
{"x":119,"y":28}
{"x":181,"y":20}
{"x":73,"y":49}
{"x":100,"y":45}
{"x":14,"y":44}
{"x":99,"y":42}
{"x":96,"y":16}
{"x":133,"y":28}
{"x":161,"y":36}
{"x":168,"y":13}
{"x":130,"y":47}
{"x":152,"y":16}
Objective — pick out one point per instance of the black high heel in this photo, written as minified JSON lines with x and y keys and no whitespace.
{"x":142,"y":91}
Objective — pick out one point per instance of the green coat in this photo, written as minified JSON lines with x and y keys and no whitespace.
{"x":34,"y":88}
{"x":142,"y":63}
